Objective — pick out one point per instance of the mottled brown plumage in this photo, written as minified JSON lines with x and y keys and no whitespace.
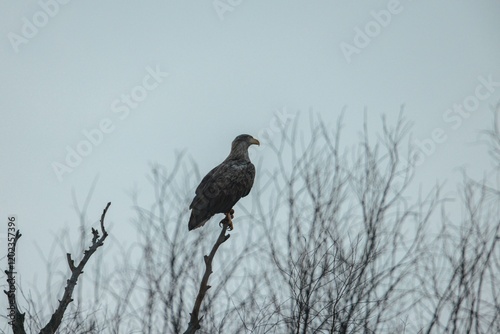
{"x":224,"y":185}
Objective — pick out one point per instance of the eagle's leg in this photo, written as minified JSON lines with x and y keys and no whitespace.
{"x":229,"y":216}
{"x":229,"y":221}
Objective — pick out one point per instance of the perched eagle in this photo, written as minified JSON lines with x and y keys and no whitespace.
{"x":224,"y":185}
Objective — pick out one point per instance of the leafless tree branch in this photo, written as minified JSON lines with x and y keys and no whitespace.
{"x":194,"y":322}
{"x":76,"y":271}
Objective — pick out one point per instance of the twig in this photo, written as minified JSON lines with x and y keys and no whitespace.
{"x":194,"y":322}
{"x":76,"y":271}
{"x":17,"y":323}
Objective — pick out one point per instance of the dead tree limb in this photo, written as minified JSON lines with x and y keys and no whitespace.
{"x":194,"y":322}
{"x":76,"y":271}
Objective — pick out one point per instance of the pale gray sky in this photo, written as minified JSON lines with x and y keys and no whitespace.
{"x":67,"y":69}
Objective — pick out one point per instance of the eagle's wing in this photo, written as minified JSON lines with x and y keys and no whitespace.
{"x":205,"y":182}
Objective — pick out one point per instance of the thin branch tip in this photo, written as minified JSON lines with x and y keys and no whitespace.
{"x":103,"y":230}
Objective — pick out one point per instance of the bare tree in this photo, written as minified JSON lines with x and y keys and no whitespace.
{"x":351,"y":238}
{"x":337,"y":239}
{"x":460,"y":275}
{"x":360,"y":255}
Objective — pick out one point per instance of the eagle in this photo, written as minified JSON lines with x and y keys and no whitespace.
{"x":224,"y":185}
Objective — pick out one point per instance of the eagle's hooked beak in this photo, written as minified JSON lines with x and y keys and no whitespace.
{"x":254,"y":141}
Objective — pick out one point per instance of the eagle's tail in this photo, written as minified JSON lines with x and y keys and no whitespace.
{"x":196,"y":221}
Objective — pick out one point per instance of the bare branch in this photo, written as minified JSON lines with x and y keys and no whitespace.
{"x":194,"y":322}
{"x":97,"y":242}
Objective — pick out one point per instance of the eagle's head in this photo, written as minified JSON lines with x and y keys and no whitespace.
{"x":246,"y":140}
{"x":240,"y":145}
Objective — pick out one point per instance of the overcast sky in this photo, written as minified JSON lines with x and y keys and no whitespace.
{"x":102,"y":89}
